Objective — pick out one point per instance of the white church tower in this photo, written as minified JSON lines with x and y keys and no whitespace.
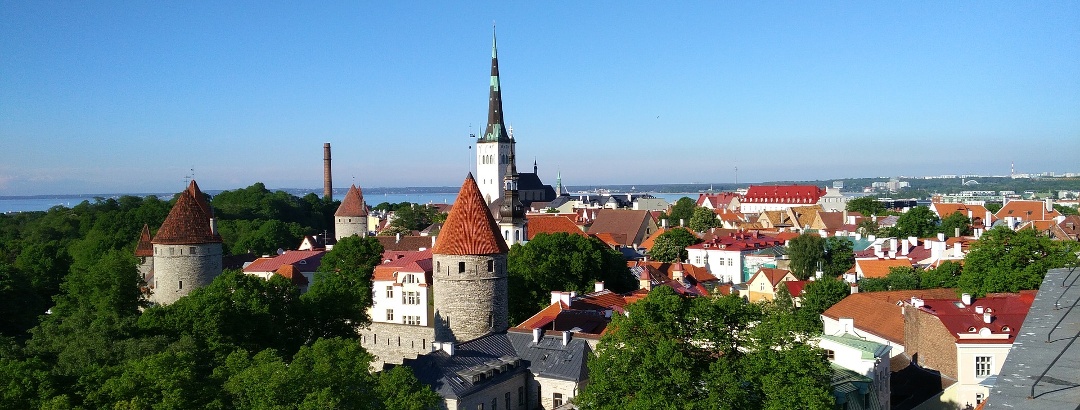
{"x":493,"y":148}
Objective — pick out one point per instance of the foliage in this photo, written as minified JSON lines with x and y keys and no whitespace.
{"x":950,"y":223}
{"x":807,"y":252}
{"x":681,"y":211}
{"x":818,"y":296}
{"x":867,"y":206}
{"x":839,"y":256}
{"x":903,"y":278}
{"x":341,"y":293}
{"x":946,"y":275}
{"x":919,"y":222}
{"x":702,"y":219}
{"x":671,"y":352}
{"x":1003,"y":260}
{"x":670,"y":246}
{"x":1066,"y":210}
{"x":561,"y":261}
{"x":415,"y":217}
{"x":993,"y":207}
{"x":867,"y":227}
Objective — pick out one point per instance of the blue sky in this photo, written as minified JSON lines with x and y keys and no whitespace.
{"x":103,"y":97}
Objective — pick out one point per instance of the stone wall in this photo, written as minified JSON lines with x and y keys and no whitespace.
{"x":392,"y":342}
{"x":178,"y":269}
{"x":472,"y":303}
{"x":548,"y":387}
{"x":928,"y":342}
{"x":345,"y":226}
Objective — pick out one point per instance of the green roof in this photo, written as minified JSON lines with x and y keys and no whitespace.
{"x":869,"y":349}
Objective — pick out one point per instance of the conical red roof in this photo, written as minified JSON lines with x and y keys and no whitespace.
{"x":144,"y":248}
{"x":188,"y":222}
{"x":352,"y":204}
{"x":469,"y":229}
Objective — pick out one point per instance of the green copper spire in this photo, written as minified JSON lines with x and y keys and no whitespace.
{"x":496,"y":129}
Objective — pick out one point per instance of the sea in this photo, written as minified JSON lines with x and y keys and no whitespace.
{"x":45,"y":202}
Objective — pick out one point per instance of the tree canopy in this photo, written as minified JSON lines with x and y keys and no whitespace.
{"x":919,"y":222}
{"x":1003,"y":260}
{"x":806,"y":252}
{"x":702,"y":219}
{"x":671,"y":352}
{"x":681,"y":212}
{"x":564,"y":262}
{"x":867,"y":206}
{"x":670,"y":246}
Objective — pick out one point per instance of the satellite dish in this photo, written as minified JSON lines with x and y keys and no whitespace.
{"x":280,"y":251}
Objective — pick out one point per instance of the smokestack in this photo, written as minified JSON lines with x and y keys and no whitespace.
{"x":328,"y":184}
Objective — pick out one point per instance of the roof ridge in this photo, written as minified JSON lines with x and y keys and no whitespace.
{"x":469,"y":228}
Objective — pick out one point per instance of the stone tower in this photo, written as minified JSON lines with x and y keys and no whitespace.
{"x":145,"y":252}
{"x":470,"y":281}
{"x":493,"y":148}
{"x":351,"y":216}
{"x":187,"y":248}
{"x":512,"y":221}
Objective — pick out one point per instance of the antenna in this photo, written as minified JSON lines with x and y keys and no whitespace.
{"x":736,"y":175}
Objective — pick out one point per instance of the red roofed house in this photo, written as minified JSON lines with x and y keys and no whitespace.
{"x":293,"y":275}
{"x":878,"y":268}
{"x":723,"y":255}
{"x":305,"y":262}
{"x":876,"y":316}
{"x":187,"y":248}
{"x":629,"y":225}
{"x":779,"y":197}
{"x":765,"y":282}
{"x":722,"y":200}
{"x":402,"y":290}
{"x":1016,"y":213}
{"x":552,"y":224}
{"x":966,"y":340}
{"x":980,"y":217}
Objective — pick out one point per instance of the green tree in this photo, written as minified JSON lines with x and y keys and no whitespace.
{"x":919,"y":221}
{"x":1003,"y":260}
{"x":680,"y":212}
{"x":867,"y":227}
{"x":1066,"y":210}
{"x":993,"y":207}
{"x":955,"y":221}
{"x":561,"y":261}
{"x":839,"y":256}
{"x":702,"y":219}
{"x":341,"y":293}
{"x":807,"y":253}
{"x":818,"y":296}
{"x":415,"y":217}
{"x":903,"y":278}
{"x":946,"y":275}
{"x":399,"y":389}
{"x":671,"y":245}
{"x":873,"y":284}
{"x":866,"y":206}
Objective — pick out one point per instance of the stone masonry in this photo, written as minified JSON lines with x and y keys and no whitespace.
{"x":470,"y":296}
{"x":180,"y":268}
{"x":392,"y":342}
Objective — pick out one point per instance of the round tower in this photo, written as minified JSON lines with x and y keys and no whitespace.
{"x":351,"y":217}
{"x":187,"y":248}
{"x":470,"y":279}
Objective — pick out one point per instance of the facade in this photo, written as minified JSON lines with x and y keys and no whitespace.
{"x":512,"y":221}
{"x":351,"y":218}
{"x":470,"y":259}
{"x":764,"y":284}
{"x":187,"y":248}
{"x":723,"y":255}
{"x":864,"y":357}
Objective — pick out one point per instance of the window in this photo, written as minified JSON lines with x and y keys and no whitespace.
{"x":389,"y":315}
{"x":731,"y":262}
{"x":830,"y":354}
{"x":480,"y":406}
{"x":697,"y":260}
{"x":411,"y":320}
{"x":494,"y":404}
{"x":979,"y":397}
{"x":983,"y":365}
{"x":491,"y":266}
{"x":556,"y":399}
{"x":521,"y":396}
{"x":461,"y":267}
{"x":192,"y":250}
{"x":410,"y":298}
{"x":181,"y":286}
{"x":507,"y":396}
{"x":389,"y":292}
{"x":410,"y":278}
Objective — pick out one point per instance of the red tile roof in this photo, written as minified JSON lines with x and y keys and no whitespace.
{"x":629,"y":223}
{"x":144,"y":248}
{"x":306,"y":261}
{"x":774,"y":275}
{"x":715,"y":201}
{"x":879,"y":268}
{"x":552,"y":224}
{"x":1007,"y":311}
{"x":352,"y":204}
{"x":405,"y":243}
{"x":738,"y":241}
{"x":783,"y":194}
{"x":795,"y":287}
{"x":878,"y":312}
{"x":291,"y":273}
{"x":469,"y":229}
{"x":412,"y":262}
{"x":1026,"y":211}
{"x":188,"y":222}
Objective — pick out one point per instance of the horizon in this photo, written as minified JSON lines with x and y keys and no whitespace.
{"x":115,"y":97}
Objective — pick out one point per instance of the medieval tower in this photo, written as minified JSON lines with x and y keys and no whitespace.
{"x":493,"y":148}
{"x":512,"y":221}
{"x":470,"y":280}
{"x":351,"y":217}
{"x":187,"y":248}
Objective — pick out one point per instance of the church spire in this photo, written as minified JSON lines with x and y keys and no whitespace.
{"x":496,"y":129}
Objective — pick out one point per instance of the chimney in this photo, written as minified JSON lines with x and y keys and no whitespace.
{"x":979,"y":310}
{"x":213,"y":226}
{"x":941,"y":237}
{"x":966,"y":298}
{"x":598,"y":286}
{"x":397,"y":238}
{"x":987,"y":318}
{"x":566,"y":337}
{"x":854,"y":288}
{"x":818,"y":274}
{"x":957,"y":251}
{"x":448,"y":347}
{"x":877,"y":251}
{"x":328,"y":185}
{"x":956,"y":232}
{"x":848,"y":324}
{"x":663,"y":223}
{"x":892,"y":246}
{"x":905,"y":246}
{"x":537,"y":334}
{"x":433,"y":240}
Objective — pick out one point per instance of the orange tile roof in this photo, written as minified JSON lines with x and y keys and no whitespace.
{"x":552,"y":224}
{"x":144,"y":248}
{"x":1027,"y":211}
{"x":774,"y":275}
{"x":629,"y":223}
{"x":610,"y":239}
{"x":309,"y":261}
{"x":878,"y":313}
{"x":665,"y":269}
{"x":352,"y":204}
{"x":469,"y":229}
{"x":188,"y":222}
{"x":879,"y":268}
{"x":410,"y":261}
{"x":291,"y":273}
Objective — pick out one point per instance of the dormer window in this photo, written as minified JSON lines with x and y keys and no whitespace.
{"x":971,"y":329}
